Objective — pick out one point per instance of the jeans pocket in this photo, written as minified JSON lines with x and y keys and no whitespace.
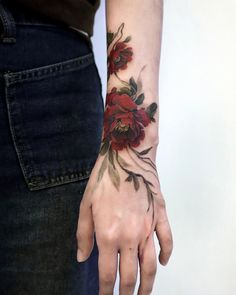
{"x":55,"y":114}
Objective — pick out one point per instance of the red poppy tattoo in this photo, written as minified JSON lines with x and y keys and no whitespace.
{"x":119,"y":56}
{"x":125,"y":120}
{"x":120,"y":53}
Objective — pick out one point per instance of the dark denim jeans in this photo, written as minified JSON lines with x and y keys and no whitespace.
{"x":51,"y":118}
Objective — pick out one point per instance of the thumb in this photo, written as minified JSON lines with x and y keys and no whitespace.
{"x":164,"y":236}
{"x":85,"y":231}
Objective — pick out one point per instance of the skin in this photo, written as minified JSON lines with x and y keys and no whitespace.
{"x":116,"y":210}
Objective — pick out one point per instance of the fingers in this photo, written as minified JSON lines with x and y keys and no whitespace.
{"x":85,"y":232}
{"x":107,"y":265}
{"x":164,"y":234}
{"x":128,"y":268}
{"x":148,"y":267}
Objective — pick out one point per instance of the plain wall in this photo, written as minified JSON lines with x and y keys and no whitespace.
{"x":196,"y":155}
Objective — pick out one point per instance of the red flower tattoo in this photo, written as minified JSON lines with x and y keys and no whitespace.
{"x":119,"y":56}
{"x":123,"y":122}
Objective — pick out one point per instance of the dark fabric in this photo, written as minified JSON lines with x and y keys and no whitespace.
{"x":76,"y":13}
{"x":51,"y":118}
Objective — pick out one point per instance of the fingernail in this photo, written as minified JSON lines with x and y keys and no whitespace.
{"x":163,"y":261}
{"x":79,"y":256}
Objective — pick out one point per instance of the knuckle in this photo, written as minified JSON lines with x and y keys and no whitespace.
{"x":151,"y":270}
{"x":161,"y":203}
{"x":79,"y":236}
{"x":130,"y":237}
{"x":168,"y":239}
{"x":109,"y":238}
{"x":128,"y":282}
{"x":107,"y":279}
{"x":147,"y":290}
{"x":168,"y":244}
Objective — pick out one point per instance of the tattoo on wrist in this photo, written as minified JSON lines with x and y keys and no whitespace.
{"x":125,"y":119}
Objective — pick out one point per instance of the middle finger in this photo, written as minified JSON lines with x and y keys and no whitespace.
{"x":128,"y":269}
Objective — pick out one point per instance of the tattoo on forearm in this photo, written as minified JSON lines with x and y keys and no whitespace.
{"x":125,"y":119}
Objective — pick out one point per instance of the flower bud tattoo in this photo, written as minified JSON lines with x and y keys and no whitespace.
{"x":125,"y":119}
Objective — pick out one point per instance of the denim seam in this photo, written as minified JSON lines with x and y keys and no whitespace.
{"x":26,"y":168}
{"x":101,"y":86}
{"x":50,"y":70}
{"x":25,"y":23}
{"x":6,"y":27}
{"x":60,"y":180}
{"x":4,"y":20}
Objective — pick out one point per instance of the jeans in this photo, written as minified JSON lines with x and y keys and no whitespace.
{"x":51,"y":118}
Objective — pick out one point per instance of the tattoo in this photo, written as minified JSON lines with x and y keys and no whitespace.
{"x":120,"y":53}
{"x":125,"y":120}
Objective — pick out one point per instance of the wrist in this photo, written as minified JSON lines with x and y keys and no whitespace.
{"x":131,"y":164}
{"x":128,"y":121}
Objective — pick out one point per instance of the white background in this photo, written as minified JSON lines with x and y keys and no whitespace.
{"x":196,"y":155}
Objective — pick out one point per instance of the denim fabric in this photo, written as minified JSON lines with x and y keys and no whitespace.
{"x":51,"y":118}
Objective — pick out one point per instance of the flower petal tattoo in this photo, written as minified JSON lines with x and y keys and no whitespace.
{"x":125,"y":120}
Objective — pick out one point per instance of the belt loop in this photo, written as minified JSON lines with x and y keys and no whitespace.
{"x":8,"y":34}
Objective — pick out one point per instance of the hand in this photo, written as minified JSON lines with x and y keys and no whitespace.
{"x":122,"y":224}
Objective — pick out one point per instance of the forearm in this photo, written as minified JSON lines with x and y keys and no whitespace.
{"x":130,"y":134}
{"x":123,"y":201}
{"x":133,"y":49}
